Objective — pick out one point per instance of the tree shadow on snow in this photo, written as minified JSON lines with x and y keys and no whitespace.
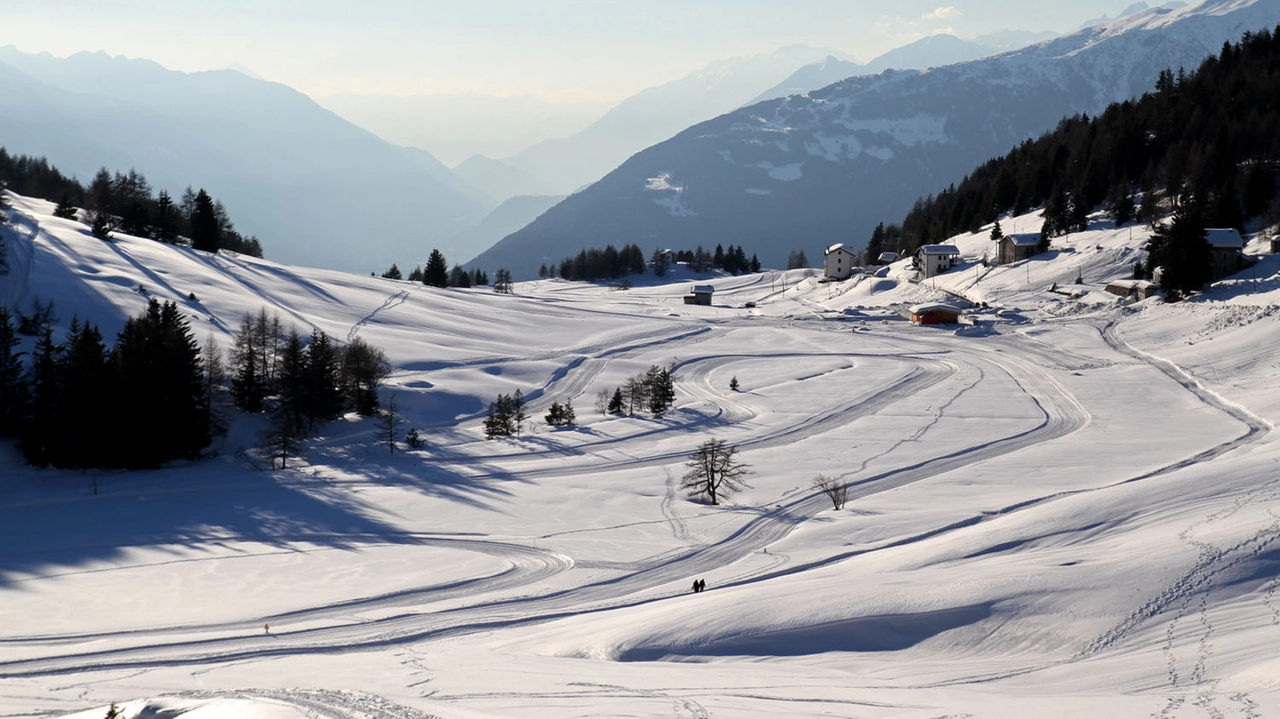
{"x":62,"y":526}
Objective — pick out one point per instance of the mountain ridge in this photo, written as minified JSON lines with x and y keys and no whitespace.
{"x":805,"y":172}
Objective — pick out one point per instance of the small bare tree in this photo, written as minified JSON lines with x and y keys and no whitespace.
{"x":836,"y":490}
{"x":714,"y":471}
{"x":388,"y":422}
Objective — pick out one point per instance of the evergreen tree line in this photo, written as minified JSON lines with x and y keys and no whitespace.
{"x":126,"y":202}
{"x":506,"y":416}
{"x":593,"y":265}
{"x":301,"y":382}
{"x":156,"y":395}
{"x":438,"y":274}
{"x":733,"y":260}
{"x":653,"y":392}
{"x":1209,"y":135}
{"x":78,"y":404}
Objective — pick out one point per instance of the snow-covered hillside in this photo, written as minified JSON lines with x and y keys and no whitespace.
{"x":1070,"y":508}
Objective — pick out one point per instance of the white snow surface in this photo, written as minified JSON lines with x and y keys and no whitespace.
{"x":1067,"y":509}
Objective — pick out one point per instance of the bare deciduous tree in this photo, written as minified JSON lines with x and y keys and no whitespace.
{"x":714,"y":471}
{"x":388,"y":422}
{"x":836,"y":490}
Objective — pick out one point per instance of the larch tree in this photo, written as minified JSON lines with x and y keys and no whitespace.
{"x":714,"y":471}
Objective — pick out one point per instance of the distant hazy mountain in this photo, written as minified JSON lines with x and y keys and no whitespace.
{"x":279,"y":162}
{"x":511,"y":215}
{"x":496,"y":178}
{"x":456,"y":127}
{"x":564,"y":165}
{"x":808,"y":171}
{"x":931,"y":51}
{"x":813,"y":76}
{"x":1006,"y":40}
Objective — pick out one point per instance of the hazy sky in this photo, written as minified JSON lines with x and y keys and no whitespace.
{"x":574,"y":49}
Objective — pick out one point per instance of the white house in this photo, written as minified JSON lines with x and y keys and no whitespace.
{"x":935,"y":259}
{"x":838,"y":263}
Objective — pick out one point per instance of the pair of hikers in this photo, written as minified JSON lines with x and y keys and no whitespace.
{"x":699,"y":585}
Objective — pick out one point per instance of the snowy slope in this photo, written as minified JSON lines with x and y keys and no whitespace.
{"x":1066,"y":510}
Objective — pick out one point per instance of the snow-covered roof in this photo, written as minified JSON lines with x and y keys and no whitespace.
{"x":836,"y":247}
{"x":1224,"y":238}
{"x":930,"y":306}
{"x":888,"y":257}
{"x":939,"y":250}
{"x":703,"y":290}
{"x":1023,"y":240}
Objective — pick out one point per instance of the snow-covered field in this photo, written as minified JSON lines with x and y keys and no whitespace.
{"x":1069,"y":509}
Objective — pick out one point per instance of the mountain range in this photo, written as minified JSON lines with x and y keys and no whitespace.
{"x":806,"y":171}
{"x":276,"y":159}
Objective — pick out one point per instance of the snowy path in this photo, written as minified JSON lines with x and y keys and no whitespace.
{"x":643,"y":583}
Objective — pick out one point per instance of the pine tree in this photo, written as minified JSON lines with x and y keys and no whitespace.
{"x":875,"y":245}
{"x":393,"y":273}
{"x":616,"y":404}
{"x":246,"y":387}
{"x":101,"y":227}
{"x":66,"y":209}
{"x":498,"y":421}
{"x":436,"y":273}
{"x":733,"y":383}
{"x":661,"y":390}
{"x":206,"y":229}
{"x":323,"y":384}
{"x":159,"y":371}
{"x":40,"y":426}
{"x":1181,"y":249}
{"x":13,"y":387}
{"x":560,"y":415}
{"x":291,"y":385}
{"x":660,"y":261}
{"x":85,"y":394}
{"x":519,"y":415}
{"x":166,"y":220}
{"x":459,"y":277}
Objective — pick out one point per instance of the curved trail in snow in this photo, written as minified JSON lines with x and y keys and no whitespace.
{"x":644,"y":582}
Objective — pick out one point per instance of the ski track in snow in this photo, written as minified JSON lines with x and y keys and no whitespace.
{"x":20,"y":255}
{"x":1189,"y":644}
{"x":1061,"y":416}
{"x":392,"y":301}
